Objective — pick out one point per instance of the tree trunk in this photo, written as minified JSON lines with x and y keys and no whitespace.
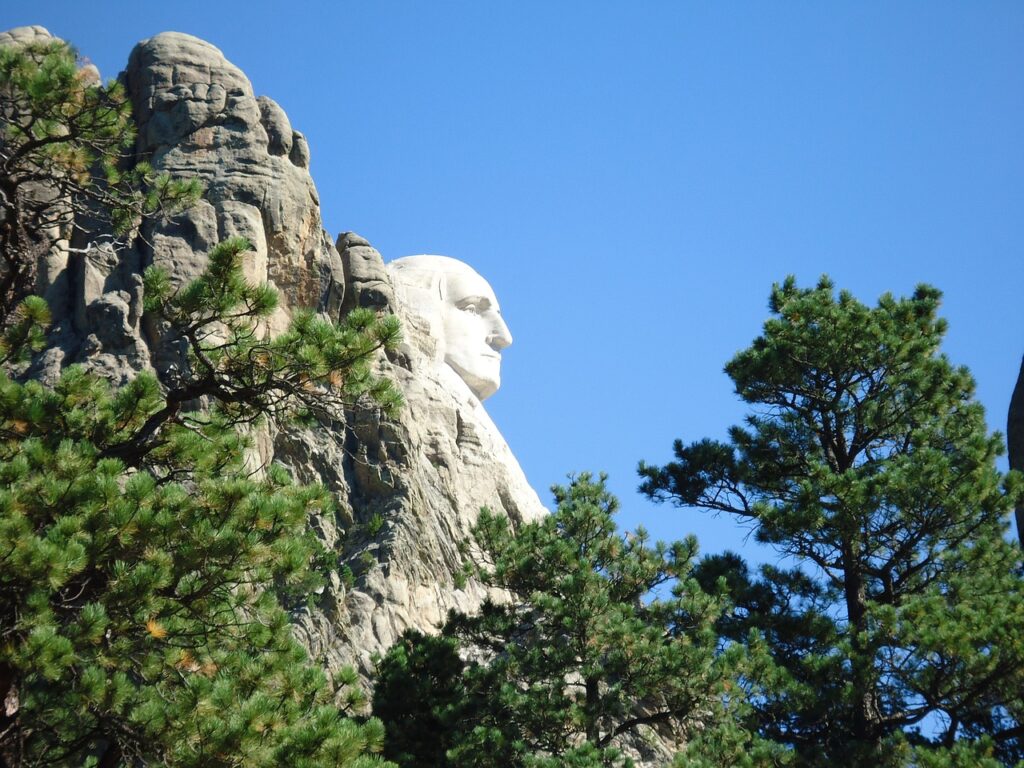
{"x":866,"y":712}
{"x":593,"y":699}
{"x":111,"y":757}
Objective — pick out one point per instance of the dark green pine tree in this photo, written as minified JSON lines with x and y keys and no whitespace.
{"x":604,"y":639}
{"x":897,"y":623}
{"x":144,"y":566}
{"x":420,"y":694}
{"x":66,"y":164}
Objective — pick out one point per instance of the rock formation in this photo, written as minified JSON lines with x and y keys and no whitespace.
{"x":1015,"y":441}
{"x":411,"y":488}
{"x":407,"y":490}
{"x":197,"y":117}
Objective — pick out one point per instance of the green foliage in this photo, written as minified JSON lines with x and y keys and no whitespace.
{"x":144,"y":565}
{"x":375,"y":524}
{"x":315,"y":368}
{"x":419,"y":694}
{"x":367,"y":561}
{"x":26,"y":331}
{"x":348,"y":578}
{"x":603,"y":638}
{"x":65,"y":150}
{"x":865,"y":461}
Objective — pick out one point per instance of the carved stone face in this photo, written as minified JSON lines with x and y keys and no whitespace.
{"x":467,"y":316}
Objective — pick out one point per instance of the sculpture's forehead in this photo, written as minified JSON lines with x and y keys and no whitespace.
{"x":460,"y":279}
{"x":461,"y":285}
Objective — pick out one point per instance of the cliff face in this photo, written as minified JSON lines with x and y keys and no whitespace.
{"x":407,"y":490}
{"x":1015,"y":441}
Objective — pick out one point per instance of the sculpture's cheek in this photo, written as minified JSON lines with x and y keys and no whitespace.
{"x":469,"y":353}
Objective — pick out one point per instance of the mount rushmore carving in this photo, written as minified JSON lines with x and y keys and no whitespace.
{"x":407,"y":490}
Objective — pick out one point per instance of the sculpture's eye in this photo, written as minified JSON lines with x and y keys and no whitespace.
{"x":475,"y":304}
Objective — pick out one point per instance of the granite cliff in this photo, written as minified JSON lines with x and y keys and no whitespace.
{"x":1015,"y":441}
{"x":408,"y":489}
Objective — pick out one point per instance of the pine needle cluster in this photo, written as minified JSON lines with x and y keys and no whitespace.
{"x":67,"y":165}
{"x":604,"y":641}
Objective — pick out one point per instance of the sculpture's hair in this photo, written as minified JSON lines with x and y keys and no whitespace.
{"x":406,"y":274}
{"x":421,"y":288}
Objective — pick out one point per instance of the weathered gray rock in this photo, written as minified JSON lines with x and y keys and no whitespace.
{"x":25,"y":35}
{"x":63,"y":274}
{"x":1015,"y":440}
{"x":411,"y":490}
{"x":198,"y":117}
{"x":366,"y":277}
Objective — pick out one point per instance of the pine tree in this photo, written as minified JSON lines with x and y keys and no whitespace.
{"x":420,"y":694}
{"x":604,"y":637}
{"x":66,"y":165}
{"x":144,"y":567}
{"x":898,"y":621}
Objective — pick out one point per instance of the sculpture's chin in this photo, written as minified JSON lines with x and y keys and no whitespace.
{"x":484,"y":389}
{"x":481,"y":382}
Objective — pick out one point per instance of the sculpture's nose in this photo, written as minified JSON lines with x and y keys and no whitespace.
{"x":500,"y":336}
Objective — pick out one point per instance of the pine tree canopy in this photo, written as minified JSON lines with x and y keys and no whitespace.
{"x":141,"y":609}
{"x":896,"y":616}
{"x":145,"y":565}
{"x":66,"y":163}
{"x":604,"y":640}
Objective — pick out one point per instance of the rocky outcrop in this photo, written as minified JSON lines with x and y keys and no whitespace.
{"x":1015,"y":441}
{"x":198,"y":117}
{"x":365,"y":275}
{"x":407,"y":490}
{"x":25,"y":35}
{"x":64,"y":278}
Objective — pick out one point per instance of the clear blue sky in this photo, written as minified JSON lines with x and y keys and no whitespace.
{"x":631,"y":178}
